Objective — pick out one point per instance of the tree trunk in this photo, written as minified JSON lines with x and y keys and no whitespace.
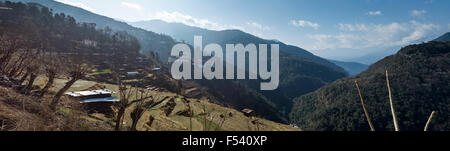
{"x":119,"y":118}
{"x":12,"y":72}
{"x":61,"y":92}
{"x":24,"y":78}
{"x":134,"y":124}
{"x":5,"y":59}
{"x":15,"y":67}
{"x":30,"y":83}
{"x":135,"y":116}
{"x":47,"y":86}
{"x":18,"y":73}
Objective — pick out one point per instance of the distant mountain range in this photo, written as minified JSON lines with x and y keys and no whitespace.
{"x":300,"y":71}
{"x":443,"y":38}
{"x":419,"y":78}
{"x":185,"y":33}
{"x":182,"y":32}
{"x":353,"y":68}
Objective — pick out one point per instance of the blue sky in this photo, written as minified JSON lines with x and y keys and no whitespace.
{"x":338,"y":29}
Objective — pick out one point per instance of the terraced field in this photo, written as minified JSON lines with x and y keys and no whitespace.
{"x":207,"y":116}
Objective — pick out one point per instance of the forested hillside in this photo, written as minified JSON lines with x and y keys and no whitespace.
{"x":419,"y":78}
{"x":300,"y":71}
{"x":149,"y":41}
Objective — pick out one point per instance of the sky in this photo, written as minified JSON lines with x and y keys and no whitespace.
{"x":335,"y":29}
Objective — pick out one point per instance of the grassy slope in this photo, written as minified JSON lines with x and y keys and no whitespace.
{"x":237,"y":122}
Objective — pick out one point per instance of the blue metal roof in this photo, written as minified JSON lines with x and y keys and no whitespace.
{"x":108,"y":99}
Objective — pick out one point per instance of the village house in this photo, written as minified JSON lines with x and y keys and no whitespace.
{"x":83,"y":95}
{"x":248,"y":112}
{"x":95,"y":100}
{"x":5,"y":8}
{"x":89,"y":43}
{"x":133,"y":73}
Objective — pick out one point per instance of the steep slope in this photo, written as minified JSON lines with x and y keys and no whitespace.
{"x":42,"y":32}
{"x":419,"y":78}
{"x":149,"y":41}
{"x":353,"y":68}
{"x":162,"y":45}
{"x":300,"y":71}
{"x":443,"y":38}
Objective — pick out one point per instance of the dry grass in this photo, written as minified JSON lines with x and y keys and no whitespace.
{"x":26,"y":113}
{"x":72,"y":117}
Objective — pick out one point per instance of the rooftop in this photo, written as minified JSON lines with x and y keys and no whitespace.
{"x":132,"y":73}
{"x":98,"y":100}
{"x":90,"y":93}
{"x":247,"y":110}
{"x":5,"y":8}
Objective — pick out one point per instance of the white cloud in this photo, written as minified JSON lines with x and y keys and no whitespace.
{"x":304,"y":23}
{"x":353,"y":27}
{"x":418,"y":13}
{"x":375,"y":13}
{"x":258,"y":26}
{"x":192,"y":21}
{"x":132,"y":5}
{"x":362,"y":36}
{"x":77,"y":4}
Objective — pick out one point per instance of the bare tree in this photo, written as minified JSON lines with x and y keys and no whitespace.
{"x":142,"y":105}
{"x":125,"y":94}
{"x":18,"y":65}
{"x":364,"y":107}
{"x":51,"y":66}
{"x":34,"y":69}
{"x":76,"y":71}
{"x":8,"y":47}
{"x":31,"y":66}
{"x":394,"y":116}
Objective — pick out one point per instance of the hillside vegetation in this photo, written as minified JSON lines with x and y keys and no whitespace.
{"x":149,"y":41}
{"x":419,"y":78}
{"x":300,"y":71}
{"x":43,"y":55}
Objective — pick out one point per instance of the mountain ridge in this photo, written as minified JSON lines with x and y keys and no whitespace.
{"x":353,"y":68}
{"x":186,"y":33}
{"x":300,"y":71}
{"x":443,"y":38}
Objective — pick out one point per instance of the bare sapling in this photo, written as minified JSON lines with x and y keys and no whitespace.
{"x":364,"y":107}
